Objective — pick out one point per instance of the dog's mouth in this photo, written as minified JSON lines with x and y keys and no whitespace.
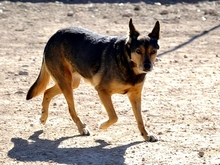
{"x":147,"y":67}
{"x":147,"y":70}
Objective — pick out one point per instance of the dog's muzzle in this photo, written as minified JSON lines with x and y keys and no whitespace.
{"x":148,"y":67}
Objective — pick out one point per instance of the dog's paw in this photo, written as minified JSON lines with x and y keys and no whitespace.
{"x":43,"y":120}
{"x":151,"y":138}
{"x":43,"y":117}
{"x":102,"y":125}
{"x":84,"y":131}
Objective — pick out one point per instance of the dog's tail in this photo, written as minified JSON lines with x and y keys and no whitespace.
{"x":40,"y":84}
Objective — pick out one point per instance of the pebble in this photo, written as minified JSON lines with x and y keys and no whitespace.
{"x":19,"y":92}
{"x":23,"y":73}
{"x":21,"y":28}
{"x":201,"y":153}
{"x":157,"y":3}
{"x":158,"y":59}
{"x":70,"y":14}
{"x":127,"y":13}
{"x":164,"y":12}
{"x":154,"y":115}
{"x":32,"y":58}
{"x":211,"y":12}
{"x":204,"y":18}
{"x":25,"y":65}
{"x":137,"y":8}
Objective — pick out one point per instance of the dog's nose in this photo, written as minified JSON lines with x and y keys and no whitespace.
{"x":147,"y":66}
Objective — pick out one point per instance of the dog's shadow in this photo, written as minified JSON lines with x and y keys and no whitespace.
{"x":44,"y":150}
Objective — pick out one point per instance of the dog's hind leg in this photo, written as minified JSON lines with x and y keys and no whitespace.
{"x":48,"y":95}
{"x":107,"y":102}
{"x":134,"y":96}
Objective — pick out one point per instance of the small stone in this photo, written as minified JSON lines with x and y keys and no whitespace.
{"x":70,"y":14}
{"x":211,"y":12}
{"x":185,"y":56}
{"x":19,"y":92}
{"x":19,"y":28}
{"x":157,"y":3}
{"x":127,"y":13}
{"x":158,"y":59}
{"x":25,"y":66}
{"x":204,"y":18}
{"x":201,"y":153}
{"x":32,"y":58}
{"x":164,"y":12}
{"x":137,"y":8}
{"x":23,"y":73}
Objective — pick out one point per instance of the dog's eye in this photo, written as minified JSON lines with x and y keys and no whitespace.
{"x":153,"y":52}
{"x":138,"y":51}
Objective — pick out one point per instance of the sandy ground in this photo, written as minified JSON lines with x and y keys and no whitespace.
{"x":180,"y":98}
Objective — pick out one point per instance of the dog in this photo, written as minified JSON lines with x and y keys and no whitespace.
{"x":112,"y":64}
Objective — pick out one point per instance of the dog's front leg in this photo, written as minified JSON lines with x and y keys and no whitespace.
{"x":134,"y":96}
{"x":105,"y":97}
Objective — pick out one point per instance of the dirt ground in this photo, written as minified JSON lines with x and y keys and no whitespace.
{"x":180,"y":100}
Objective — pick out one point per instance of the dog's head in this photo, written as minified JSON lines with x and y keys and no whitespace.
{"x":143,"y":49}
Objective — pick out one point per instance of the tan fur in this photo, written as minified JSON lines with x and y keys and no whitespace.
{"x":40,"y":84}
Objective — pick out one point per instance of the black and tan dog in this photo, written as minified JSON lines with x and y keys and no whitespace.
{"x":111,"y":64}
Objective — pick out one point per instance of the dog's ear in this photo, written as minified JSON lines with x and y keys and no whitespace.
{"x":133,"y":33}
{"x":156,"y":31}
